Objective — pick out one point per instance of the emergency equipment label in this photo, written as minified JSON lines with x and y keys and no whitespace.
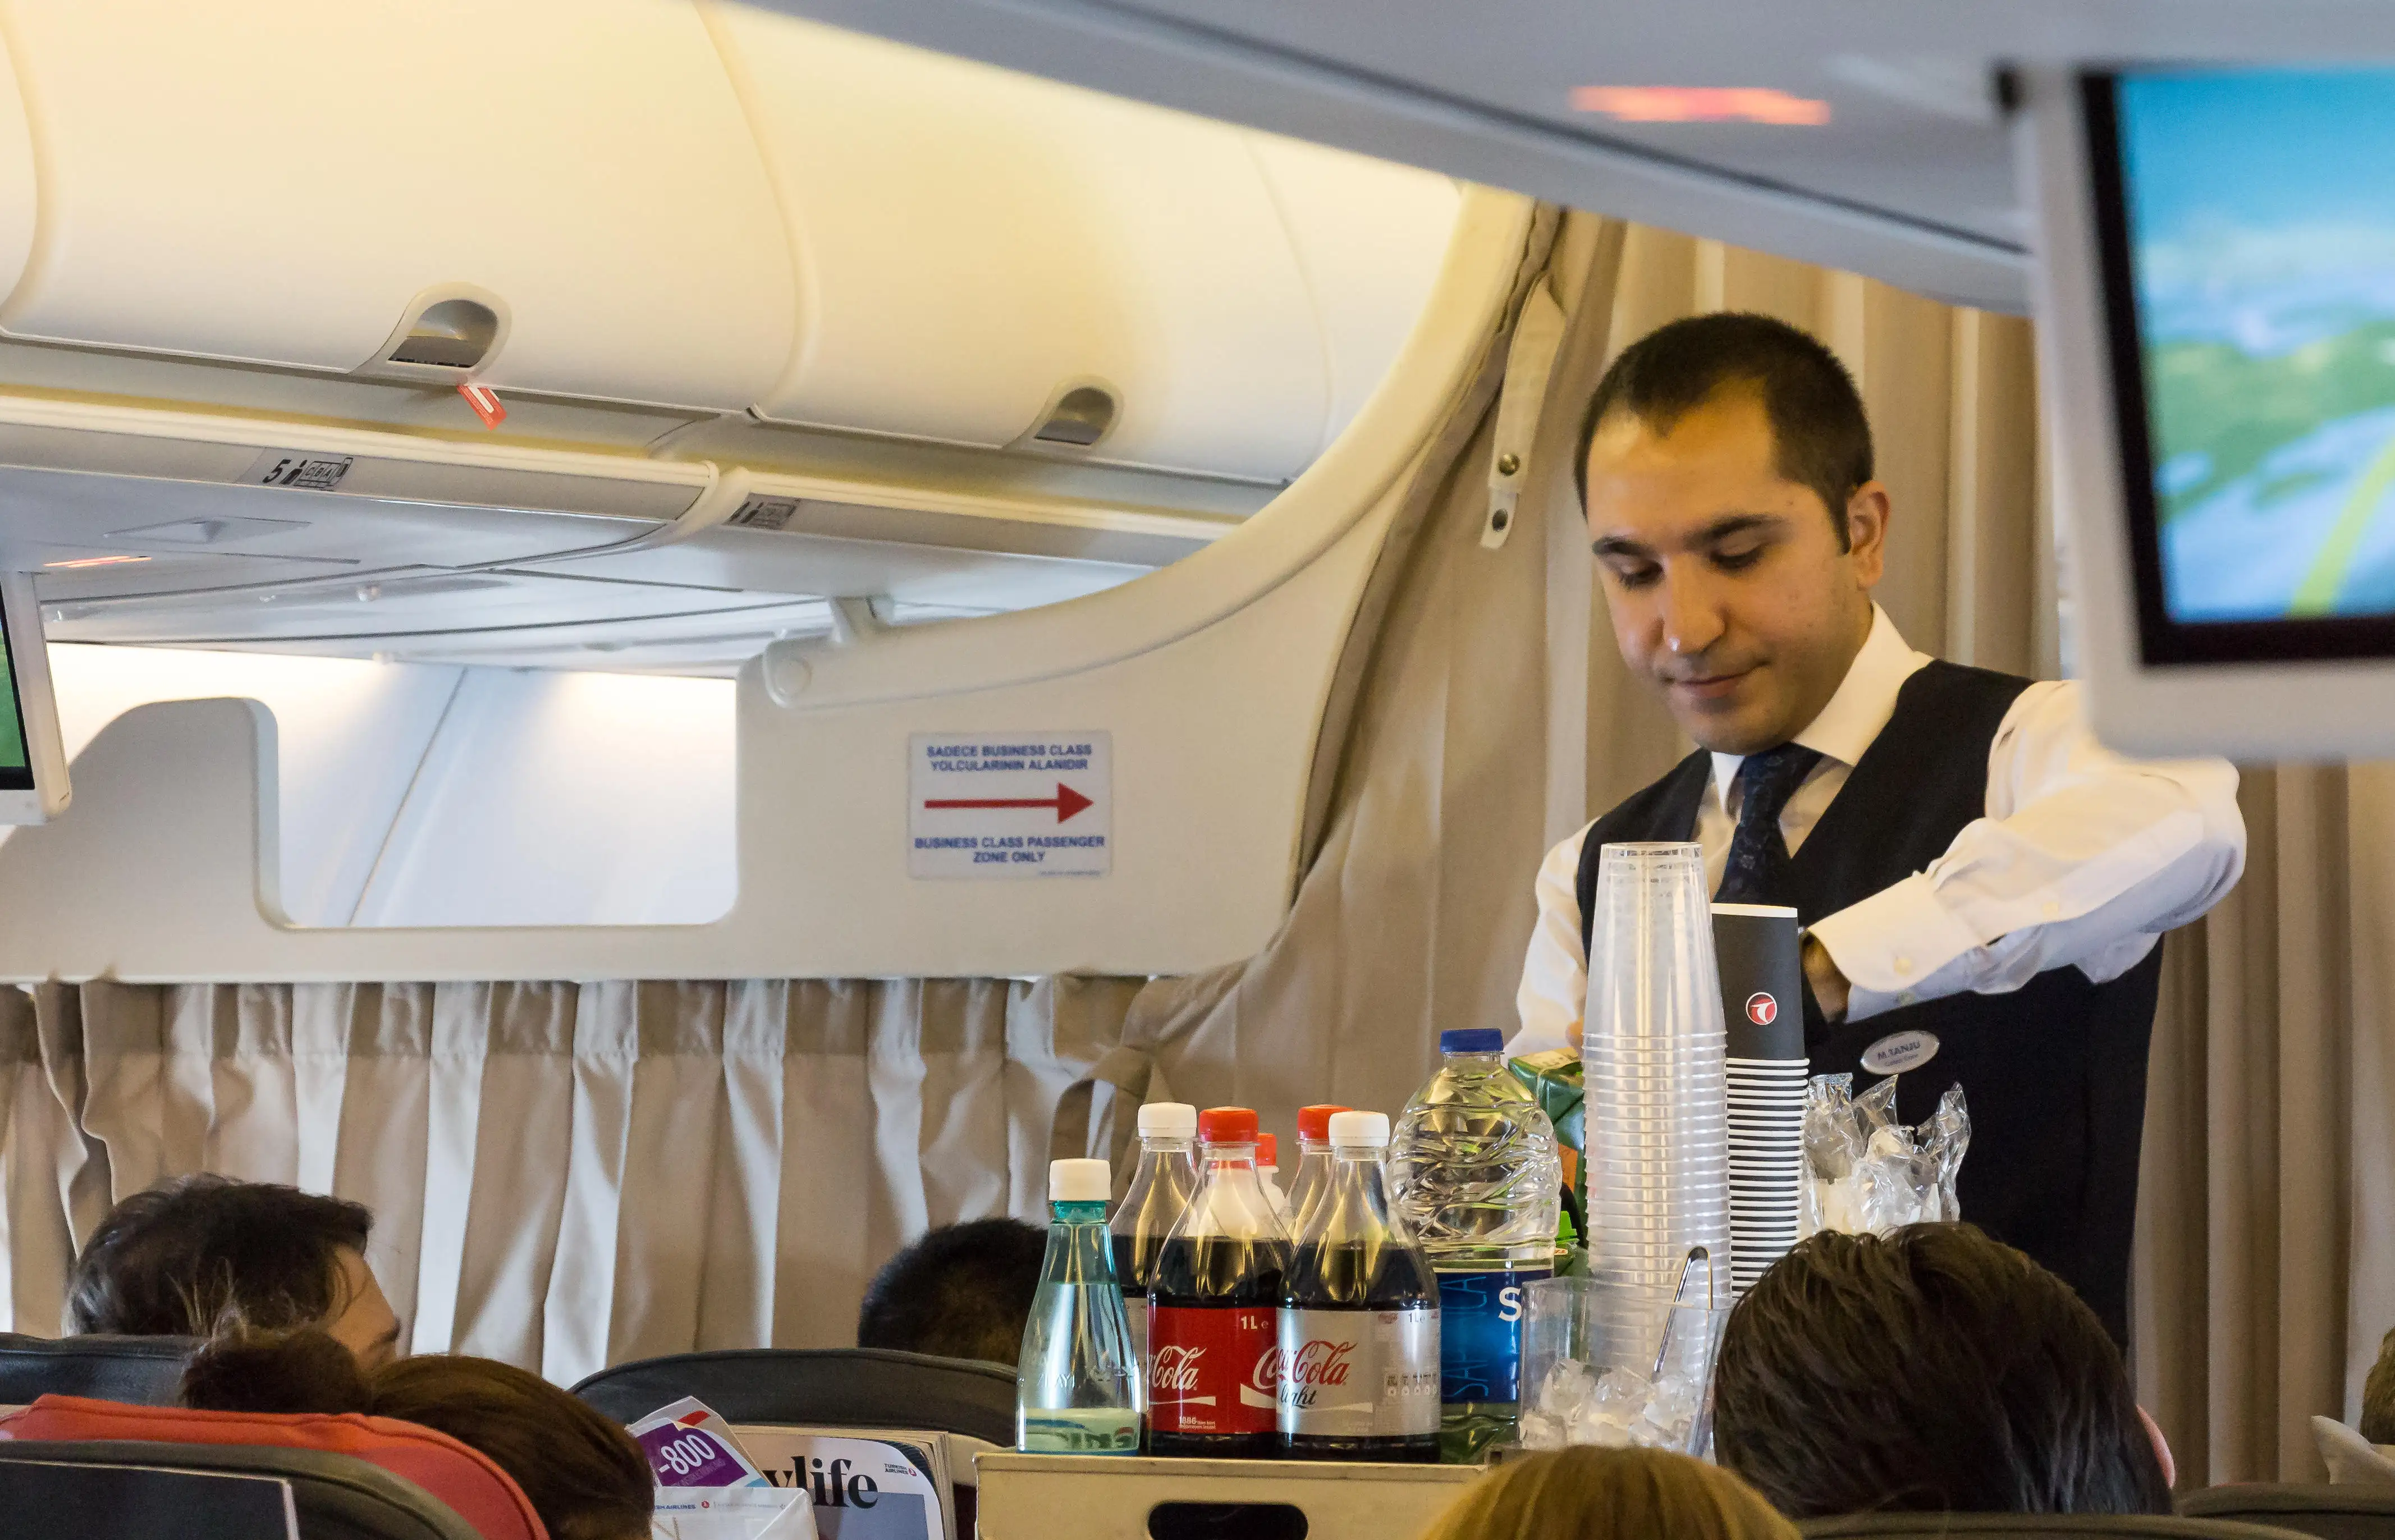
{"x":1010,"y":805}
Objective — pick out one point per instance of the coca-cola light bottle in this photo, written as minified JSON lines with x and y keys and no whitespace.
{"x":1359,"y":1318}
{"x":1313,"y":1164}
{"x":1160,"y":1189}
{"x":1212,"y":1351}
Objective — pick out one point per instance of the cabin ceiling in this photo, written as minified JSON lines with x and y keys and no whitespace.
{"x":1909,"y":180}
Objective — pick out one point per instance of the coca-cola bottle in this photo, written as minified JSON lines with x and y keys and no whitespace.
{"x":1313,"y":1164}
{"x":1212,"y":1355}
{"x":1359,"y":1317}
{"x":1160,"y":1193}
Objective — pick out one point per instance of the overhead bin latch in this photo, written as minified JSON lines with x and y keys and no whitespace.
{"x":1080,"y":414}
{"x":1531,"y":358}
{"x":444,"y":334}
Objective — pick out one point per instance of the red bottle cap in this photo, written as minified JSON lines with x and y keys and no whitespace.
{"x":1268,"y":1150}
{"x":1227,"y":1125}
{"x":1314,"y":1123}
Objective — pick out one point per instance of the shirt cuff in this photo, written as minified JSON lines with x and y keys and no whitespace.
{"x":1891,"y":945}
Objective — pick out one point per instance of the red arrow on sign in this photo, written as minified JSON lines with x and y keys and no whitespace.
{"x":1066,"y":802}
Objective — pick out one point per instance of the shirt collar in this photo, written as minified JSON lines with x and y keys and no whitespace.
{"x":1865,"y":700}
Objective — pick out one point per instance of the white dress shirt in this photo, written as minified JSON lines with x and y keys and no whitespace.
{"x":2083,"y":860}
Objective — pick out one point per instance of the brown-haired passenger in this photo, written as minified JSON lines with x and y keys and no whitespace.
{"x":1632,"y":1493}
{"x":1931,"y":1369}
{"x":179,"y":1257}
{"x":581,"y":1470}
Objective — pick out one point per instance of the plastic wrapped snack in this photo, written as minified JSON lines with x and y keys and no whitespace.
{"x":1866,"y":1173}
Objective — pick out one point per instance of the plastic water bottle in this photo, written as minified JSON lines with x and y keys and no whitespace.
{"x":1077,"y":1380}
{"x":1160,"y":1189}
{"x":1474,"y":1174}
{"x":1213,"y":1349}
{"x":1313,"y":1162}
{"x":1359,"y":1318}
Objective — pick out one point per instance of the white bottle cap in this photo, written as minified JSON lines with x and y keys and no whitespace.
{"x":1371,"y":1129}
{"x":1168,"y":1120}
{"x":1080,"y":1181}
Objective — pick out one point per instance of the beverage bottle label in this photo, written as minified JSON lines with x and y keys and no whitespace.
{"x":1480,"y":1335}
{"x":1211,"y":1368}
{"x":1359,"y":1374}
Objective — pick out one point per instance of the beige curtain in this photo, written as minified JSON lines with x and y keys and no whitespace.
{"x":563,"y":1176}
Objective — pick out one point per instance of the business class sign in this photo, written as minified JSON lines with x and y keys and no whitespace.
{"x":1010,"y":805}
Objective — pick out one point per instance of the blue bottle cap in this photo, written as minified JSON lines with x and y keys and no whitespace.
{"x":1472,"y":1040}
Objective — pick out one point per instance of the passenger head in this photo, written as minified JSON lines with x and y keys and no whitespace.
{"x":1634,"y":1493}
{"x":190,"y":1252}
{"x":1726,"y":470}
{"x":963,"y":1291}
{"x":582,"y":1472}
{"x":1931,"y":1369}
{"x":2379,"y":1395}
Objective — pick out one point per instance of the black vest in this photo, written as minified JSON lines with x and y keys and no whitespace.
{"x":2055,"y":1073}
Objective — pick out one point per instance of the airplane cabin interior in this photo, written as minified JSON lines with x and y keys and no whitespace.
{"x":896,"y":743}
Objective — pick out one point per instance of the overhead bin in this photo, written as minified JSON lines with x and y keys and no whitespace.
{"x":556,"y":195}
{"x":105,"y":502}
{"x":993,"y":259}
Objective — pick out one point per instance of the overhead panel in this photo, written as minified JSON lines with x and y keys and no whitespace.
{"x":974,"y":246}
{"x":1370,"y":236}
{"x":568,"y":186}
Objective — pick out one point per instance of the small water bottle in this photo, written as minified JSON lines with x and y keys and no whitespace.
{"x":1475,"y":1175}
{"x":1313,"y":1162}
{"x":1359,"y":1318}
{"x":1160,"y":1189}
{"x":1078,"y":1382}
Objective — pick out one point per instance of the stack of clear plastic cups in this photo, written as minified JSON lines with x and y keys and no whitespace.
{"x":1652,"y":1056}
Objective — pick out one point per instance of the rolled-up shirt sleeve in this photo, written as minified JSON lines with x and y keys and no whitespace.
{"x":1554,"y":992}
{"x":2084,"y":858}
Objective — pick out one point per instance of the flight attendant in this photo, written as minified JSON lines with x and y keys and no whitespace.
{"x":1983,"y":886}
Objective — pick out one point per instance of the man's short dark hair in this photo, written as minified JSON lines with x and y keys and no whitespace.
{"x":1821,"y":436}
{"x":963,"y":1291}
{"x":1929,"y":1370}
{"x":182,"y":1256}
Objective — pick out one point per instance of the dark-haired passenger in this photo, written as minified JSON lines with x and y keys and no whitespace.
{"x":1983,"y":884}
{"x":963,"y":1291}
{"x":192,"y":1254}
{"x":1930,"y":1370}
{"x":581,"y":1470}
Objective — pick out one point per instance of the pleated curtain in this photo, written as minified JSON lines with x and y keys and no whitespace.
{"x":567,"y":1175}
{"x":563,"y":1176}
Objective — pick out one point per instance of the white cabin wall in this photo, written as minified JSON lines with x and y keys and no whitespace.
{"x":560,"y":798}
{"x":416,"y":795}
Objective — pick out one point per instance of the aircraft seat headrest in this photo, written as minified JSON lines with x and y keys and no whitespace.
{"x":462,"y":1477}
{"x":145,"y":1371}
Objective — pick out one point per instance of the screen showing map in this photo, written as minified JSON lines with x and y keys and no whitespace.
{"x":2259,"y":213}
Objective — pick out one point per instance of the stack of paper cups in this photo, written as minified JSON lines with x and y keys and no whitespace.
{"x":1652,"y":1056}
{"x":1757,"y":946}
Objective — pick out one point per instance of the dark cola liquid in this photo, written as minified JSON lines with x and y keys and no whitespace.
{"x":1366,"y":1280}
{"x":1217,"y":1273}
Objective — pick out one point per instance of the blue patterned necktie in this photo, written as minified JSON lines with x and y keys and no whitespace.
{"x":1756,"y":871}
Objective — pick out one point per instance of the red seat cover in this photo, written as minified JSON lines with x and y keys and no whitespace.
{"x":457,"y":1474}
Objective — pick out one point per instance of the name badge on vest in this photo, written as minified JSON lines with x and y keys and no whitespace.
{"x":1899,"y":1051}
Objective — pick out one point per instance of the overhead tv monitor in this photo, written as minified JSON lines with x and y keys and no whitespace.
{"x":33,"y":757}
{"x":2216,"y":299}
